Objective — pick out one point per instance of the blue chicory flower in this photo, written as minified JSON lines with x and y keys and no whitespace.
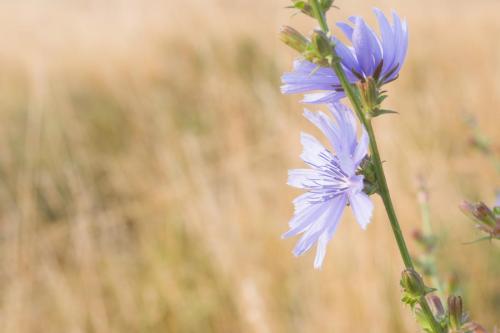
{"x":380,"y":58}
{"x":331,"y":181}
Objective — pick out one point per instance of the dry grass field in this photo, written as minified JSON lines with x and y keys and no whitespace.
{"x":144,"y":146}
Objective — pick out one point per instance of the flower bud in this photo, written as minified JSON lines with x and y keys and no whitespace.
{"x":303,"y":6}
{"x":294,"y":39}
{"x":479,"y":212}
{"x":322,"y":44}
{"x":437,"y":306}
{"x":326,"y":5}
{"x":413,"y":284}
{"x":455,"y":312}
{"x":486,"y":219}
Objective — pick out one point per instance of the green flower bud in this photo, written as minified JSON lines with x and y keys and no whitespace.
{"x":413,"y":284}
{"x":322,"y":44}
{"x":294,"y":39}
{"x":326,"y":5}
{"x":455,"y":312}
{"x":303,"y":6}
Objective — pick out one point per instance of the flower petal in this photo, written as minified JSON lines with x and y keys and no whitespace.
{"x":346,"y":124}
{"x":304,"y":219}
{"x":335,"y":215}
{"x":325,"y":124}
{"x":307,"y":76}
{"x":327,"y":222}
{"x":388,"y":42}
{"x":363,"y":46}
{"x":362,"y":208}
{"x":302,"y":178}
{"x":325,"y":97}
{"x":314,"y":153}
{"x":346,"y":29}
{"x":361,"y":148}
{"x":347,"y":56}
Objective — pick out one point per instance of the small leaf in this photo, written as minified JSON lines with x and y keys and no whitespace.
{"x":381,"y":98}
{"x":479,"y":240}
{"x":379,"y":112}
{"x":429,"y":290}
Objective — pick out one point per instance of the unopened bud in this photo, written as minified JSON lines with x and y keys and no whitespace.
{"x":294,"y":39}
{"x":437,"y":306}
{"x":480,"y":212}
{"x":455,"y":312}
{"x":306,"y":7}
{"x":326,"y":4}
{"x":413,"y":284}
{"x":303,"y":6}
{"x":322,"y":44}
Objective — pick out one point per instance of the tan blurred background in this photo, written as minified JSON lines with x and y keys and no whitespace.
{"x":144,"y":146}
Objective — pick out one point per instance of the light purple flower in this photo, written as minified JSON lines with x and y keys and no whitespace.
{"x":331,"y":181}
{"x":371,"y":56}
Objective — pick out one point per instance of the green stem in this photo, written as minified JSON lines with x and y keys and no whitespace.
{"x":320,"y":16}
{"x":389,"y":207}
{"x":386,"y":197}
{"x":379,"y":170}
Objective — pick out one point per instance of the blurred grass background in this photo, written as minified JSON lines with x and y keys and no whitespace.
{"x":143,"y":154}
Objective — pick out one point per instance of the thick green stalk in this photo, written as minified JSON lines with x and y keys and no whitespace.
{"x":379,"y":170}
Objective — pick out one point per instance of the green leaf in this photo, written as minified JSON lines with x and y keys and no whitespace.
{"x":381,"y":98}
{"x":479,"y":240}
{"x":379,"y":112}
